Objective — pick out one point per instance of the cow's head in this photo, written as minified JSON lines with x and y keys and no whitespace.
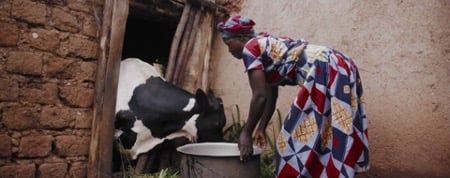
{"x":212,"y":118}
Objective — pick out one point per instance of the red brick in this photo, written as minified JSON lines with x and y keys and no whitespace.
{"x":89,"y":27}
{"x":43,"y":39}
{"x":18,"y":171}
{"x":20,"y":118}
{"x":56,"y":170}
{"x":58,"y":67}
{"x":87,"y":71}
{"x":65,"y":21}
{"x":84,"y":119}
{"x":72,"y":145}
{"x":78,"y":170}
{"x":56,"y":118}
{"x":32,"y":146}
{"x":9,"y":89}
{"x":77,"y":96}
{"x":5,"y":146}
{"x":5,"y":8}
{"x":9,"y":34}
{"x":79,"y":5}
{"x":23,"y":62}
{"x":32,"y":12}
{"x":79,"y":46}
{"x":41,"y":94}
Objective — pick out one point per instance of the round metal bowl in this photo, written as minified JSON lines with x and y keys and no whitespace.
{"x":215,"y":149}
{"x":217,"y":159}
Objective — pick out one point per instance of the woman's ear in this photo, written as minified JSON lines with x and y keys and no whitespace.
{"x":242,"y":38}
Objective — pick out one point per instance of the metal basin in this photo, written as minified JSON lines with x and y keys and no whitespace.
{"x":217,"y":160}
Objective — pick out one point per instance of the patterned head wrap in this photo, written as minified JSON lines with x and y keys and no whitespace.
{"x":237,"y":25}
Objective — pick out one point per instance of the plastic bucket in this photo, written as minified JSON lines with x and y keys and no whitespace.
{"x":205,"y":160}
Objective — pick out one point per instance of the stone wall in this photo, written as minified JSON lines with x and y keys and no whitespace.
{"x":48,"y":51}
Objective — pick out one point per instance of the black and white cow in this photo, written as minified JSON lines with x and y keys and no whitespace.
{"x":150,"y":110}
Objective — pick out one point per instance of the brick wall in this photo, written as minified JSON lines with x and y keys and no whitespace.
{"x":48,"y":51}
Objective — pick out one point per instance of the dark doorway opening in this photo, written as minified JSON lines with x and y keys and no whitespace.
{"x":148,"y":40}
{"x":150,"y":28}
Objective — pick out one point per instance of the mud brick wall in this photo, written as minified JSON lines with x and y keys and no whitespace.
{"x":48,"y":52}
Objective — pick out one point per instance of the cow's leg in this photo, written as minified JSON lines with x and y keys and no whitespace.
{"x":121,"y":161}
{"x":124,"y":139}
{"x":117,"y":161}
{"x":149,"y":162}
{"x":141,"y":163}
{"x":153,"y":161}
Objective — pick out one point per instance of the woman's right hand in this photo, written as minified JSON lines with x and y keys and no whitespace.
{"x":245,"y":146}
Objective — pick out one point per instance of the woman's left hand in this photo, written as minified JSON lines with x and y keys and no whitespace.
{"x":260,"y":138}
{"x":245,"y":146}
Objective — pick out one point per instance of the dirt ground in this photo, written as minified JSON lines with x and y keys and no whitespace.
{"x":402,"y":48}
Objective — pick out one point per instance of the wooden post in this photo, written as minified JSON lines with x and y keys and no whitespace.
{"x":208,"y":31}
{"x":185,"y":52}
{"x":191,"y":77}
{"x":115,"y":15}
{"x":176,"y":42}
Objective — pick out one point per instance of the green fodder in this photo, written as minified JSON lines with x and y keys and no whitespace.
{"x":163,"y":173}
{"x":231,"y":134}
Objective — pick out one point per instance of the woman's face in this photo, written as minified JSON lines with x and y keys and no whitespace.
{"x":235,"y":46}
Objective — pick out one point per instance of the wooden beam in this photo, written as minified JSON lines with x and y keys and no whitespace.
{"x":115,"y":15}
{"x":162,"y":11}
{"x":170,"y":11}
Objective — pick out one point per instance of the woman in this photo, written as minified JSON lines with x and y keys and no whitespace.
{"x":325,"y":131}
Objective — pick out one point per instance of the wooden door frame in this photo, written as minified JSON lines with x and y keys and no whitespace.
{"x":112,"y":35}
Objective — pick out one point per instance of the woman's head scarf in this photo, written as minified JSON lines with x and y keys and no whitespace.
{"x":236,"y":26}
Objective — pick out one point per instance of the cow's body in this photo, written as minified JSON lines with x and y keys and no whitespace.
{"x":150,"y":110}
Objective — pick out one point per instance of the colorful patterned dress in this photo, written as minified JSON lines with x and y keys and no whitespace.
{"x":325,"y":131}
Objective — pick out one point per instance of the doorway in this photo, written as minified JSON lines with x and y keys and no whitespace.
{"x":141,"y":29}
{"x":149,"y":31}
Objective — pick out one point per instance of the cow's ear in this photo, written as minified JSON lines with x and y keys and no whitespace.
{"x":202,"y":98}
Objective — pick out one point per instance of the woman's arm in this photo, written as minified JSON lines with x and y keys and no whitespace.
{"x":269,"y":108}
{"x":260,"y":96}
{"x":260,"y":137}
